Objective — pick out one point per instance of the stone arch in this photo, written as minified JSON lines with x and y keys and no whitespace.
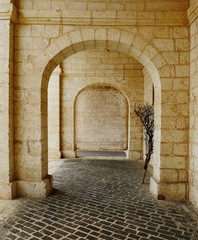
{"x":119,"y":89}
{"x":106,"y":84}
{"x":98,"y":38}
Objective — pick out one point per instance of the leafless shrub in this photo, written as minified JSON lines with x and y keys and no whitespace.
{"x":145,"y":113}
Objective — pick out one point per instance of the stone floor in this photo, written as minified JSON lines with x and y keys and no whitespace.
{"x":96,"y":200}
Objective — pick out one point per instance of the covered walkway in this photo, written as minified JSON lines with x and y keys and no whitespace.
{"x":96,"y":200}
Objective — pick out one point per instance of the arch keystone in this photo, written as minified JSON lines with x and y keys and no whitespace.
{"x":101,"y":38}
{"x":125,"y":42}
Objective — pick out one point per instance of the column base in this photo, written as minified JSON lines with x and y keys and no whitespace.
{"x":8,"y":191}
{"x":135,"y":155}
{"x":54,"y":154}
{"x":35,"y":189}
{"x":169,"y":191}
{"x":68,"y":154}
{"x":193,"y":196}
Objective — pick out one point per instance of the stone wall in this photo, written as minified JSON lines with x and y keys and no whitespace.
{"x":193,"y":153}
{"x":7,"y":187}
{"x":47,"y":32}
{"x":94,"y":5}
{"x":101,"y":119}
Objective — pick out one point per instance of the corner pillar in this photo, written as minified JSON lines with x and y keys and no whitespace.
{"x":7,"y":184}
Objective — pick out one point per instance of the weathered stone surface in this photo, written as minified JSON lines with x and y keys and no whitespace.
{"x":145,"y":50}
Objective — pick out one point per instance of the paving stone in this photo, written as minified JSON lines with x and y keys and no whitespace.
{"x":100,"y":200}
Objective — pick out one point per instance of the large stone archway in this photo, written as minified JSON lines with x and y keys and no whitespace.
{"x":28,"y":175}
{"x":37,"y":182}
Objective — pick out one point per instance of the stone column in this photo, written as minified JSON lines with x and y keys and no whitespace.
{"x":193,"y":134}
{"x":68,"y":94}
{"x":31,"y":151}
{"x":7,"y":185}
{"x":148,"y":98}
{"x":170,"y":178}
{"x":54,"y":115}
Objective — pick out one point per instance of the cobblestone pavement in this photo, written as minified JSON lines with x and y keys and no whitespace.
{"x":100,"y":199}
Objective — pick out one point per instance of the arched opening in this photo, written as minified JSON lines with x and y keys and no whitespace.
{"x":101,"y":122}
{"x":111,"y":40}
{"x":105,"y":68}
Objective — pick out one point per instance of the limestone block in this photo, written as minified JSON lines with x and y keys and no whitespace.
{"x":8,"y":191}
{"x":179,"y":32}
{"x":23,"y":30}
{"x":165,"y":6}
{"x":182,"y":45}
{"x":149,"y":15}
{"x":150,"y":52}
{"x":134,"y":6}
{"x":167,"y":83}
{"x":115,"y":6}
{"x":173,"y":162}
{"x":101,"y":34}
{"x":52,"y":31}
{"x":194,"y":179}
{"x":195,"y":164}
{"x":38,"y":30}
{"x":181,"y":149}
{"x":181,"y":84}
{"x":146,"y":33}
{"x":35,"y":189}
{"x":127,"y":14}
{"x":175,"y":110}
{"x":135,"y":155}
{"x":58,"y":5}
{"x":167,"y":71}
{"x":162,"y":32}
{"x":114,"y":36}
{"x":168,"y":175}
{"x":173,"y":191}
{"x":88,"y":35}
{"x":182,"y":70}
{"x":126,"y":40}
{"x":183,"y":176}
{"x":165,"y":45}
{"x":166,"y":149}
{"x":68,"y":154}
{"x":103,"y":14}
{"x":184,"y":58}
{"x":76,"y":5}
{"x":168,"y":191}
{"x":171,"y":57}
{"x":22,"y":43}
{"x":182,"y":97}
{"x":167,"y":15}
{"x":139,"y":43}
{"x":39,"y":43}
{"x":182,"y":123}
{"x":96,"y":6}
{"x":159,"y":61}
{"x":193,"y":196}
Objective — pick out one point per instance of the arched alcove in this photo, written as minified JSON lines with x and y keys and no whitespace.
{"x":101,"y":119}
{"x":104,"y":68}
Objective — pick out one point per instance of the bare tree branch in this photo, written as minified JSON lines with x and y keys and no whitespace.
{"x":145,"y":113}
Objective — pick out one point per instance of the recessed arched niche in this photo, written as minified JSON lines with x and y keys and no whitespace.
{"x":101,"y":119}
